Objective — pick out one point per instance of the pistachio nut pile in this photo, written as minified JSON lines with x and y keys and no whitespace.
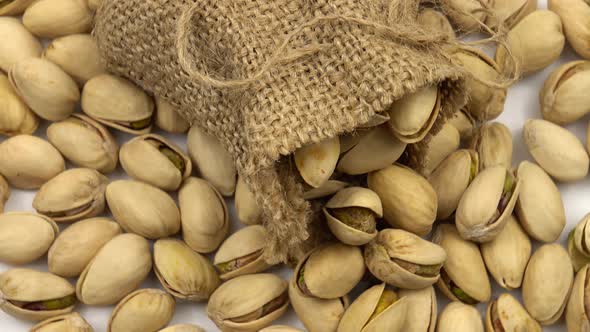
{"x":132,"y":207}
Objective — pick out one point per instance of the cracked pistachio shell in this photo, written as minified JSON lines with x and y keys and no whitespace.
{"x":375,"y":150}
{"x":422,"y":309}
{"x":409,"y":201}
{"x":27,"y":162}
{"x":412,"y":116}
{"x":464,"y":123}
{"x":327,"y":189}
{"x":71,"y":322}
{"x":183,"y":272}
{"x":493,"y":143}
{"x":436,"y":21}
{"x":143,"y":209}
{"x":75,"y":247}
{"x":351,"y":215}
{"x":77,"y":55}
{"x":459,"y":317}
{"x":563,"y":98}
{"x":241,"y":253}
{"x":155,"y":160}
{"x":464,"y":268}
{"x":559,"y":152}
{"x":211,"y":160}
{"x":404,"y":260}
{"x":376,"y":309}
{"x":451,"y":178}
{"x":141,"y":311}
{"x":56,"y":18}
{"x":577,"y":315}
{"x":168,"y":119}
{"x":85,"y":142}
{"x":506,"y":314}
{"x":547,"y":283}
{"x":18,"y":44}
{"x":25,"y":236}
{"x":204,"y":215}
{"x":464,"y":12}
{"x":510,"y":12}
{"x":49,"y":91}
{"x":487,"y":204}
{"x":248,"y":303}
{"x":507,"y":255}
{"x":579,"y":242}
{"x":535,"y":42}
{"x":441,"y":145}
{"x":72,"y":195}
{"x":14,"y":7}
{"x":539,"y":207}
{"x":183,"y":328}
{"x":575,"y":15}
{"x":280,"y":328}
{"x":22,"y":287}
{"x":247,"y":209}
{"x":4,"y":192}
{"x":316,"y":162}
{"x":15,"y":116}
{"x":118,"y":103}
{"x":118,"y":269}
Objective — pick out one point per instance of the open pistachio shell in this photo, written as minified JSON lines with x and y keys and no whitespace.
{"x":436,"y":21}
{"x":577,"y":316}
{"x":441,"y":145}
{"x":248,"y":303}
{"x":317,"y":162}
{"x":71,"y":322}
{"x":4,"y":192}
{"x":578,"y":243}
{"x":56,"y":18}
{"x":280,"y":328}
{"x":241,"y":253}
{"x":141,"y":311}
{"x":25,"y":236}
{"x":182,"y":328}
{"x":247,"y":209}
{"x":575,"y":15}
{"x":14,"y":7}
{"x":168,"y":119}
{"x":15,"y":116}
{"x":18,"y":44}
{"x":510,"y":12}
{"x":413,"y":115}
{"x":327,"y":189}
{"x":422,"y":309}
{"x":404,"y":260}
{"x":506,"y":314}
{"x":563,"y":98}
{"x":493,"y":143}
{"x":459,"y":317}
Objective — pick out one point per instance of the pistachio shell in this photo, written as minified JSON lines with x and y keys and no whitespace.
{"x":168,"y":119}
{"x":563,"y":98}
{"x":409,"y":201}
{"x":413,"y":115}
{"x":248,"y":303}
{"x":576,"y":315}
{"x":94,"y":4}
{"x":155,"y":160}
{"x":25,"y":237}
{"x":75,"y":247}
{"x":182,"y":328}
{"x":183,"y":272}
{"x":510,"y":12}
{"x":464,"y":123}
{"x":85,"y":142}
{"x":4,"y":193}
{"x":509,"y":314}
{"x":465,"y":13}
{"x":575,"y":15}
{"x":422,"y":309}
{"x":55,"y":18}
{"x":14,"y":7}
{"x":143,"y":209}
{"x":15,"y":116}
{"x":71,"y":322}
{"x":316,"y":162}
{"x":458,"y":317}
{"x":142,"y":311}
{"x":47,"y":89}
{"x":577,"y":244}
{"x":18,"y":44}
{"x":327,"y":189}
{"x":204,"y":215}
{"x":28,"y":162}
{"x":493,"y":143}
{"x":241,"y":253}
{"x":547,"y":283}
{"x":247,"y":209}
{"x":118,"y":268}
{"x":212,"y":160}
{"x":441,"y":145}
{"x":436,"y":21}
{"x":280,"y":328}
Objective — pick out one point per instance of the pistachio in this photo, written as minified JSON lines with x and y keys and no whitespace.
{"x":577,"y":313}
{"x":465,"y":14}
{"x":204,"y":215}
{"x":94,"y":4}
{"x":141,"y":311}
{"x":413,"y":115}
{"x":28,"y":161}
{"x":535,"y":43}
{"x":241,"y":253}
{"x":374,"y":121}
{"x":329,"y":188}
{"x":459,"y":317}
{"x":578,"y":243}
{"x":168,"y":119}
{"x":4,"y":193}
{"x":351,"y":215}
{"x":547,"y":283}
{"x":539,"y":207}
{"x":316,"y":162}
{"x":33,"y":295}
{"x":422,"y":309}
{"x":436,"y":21}
{"x":118,"y":103}
{"x":493,"y":143}
{"x":510,"y":12}
{"x":155,"y":160}
{"x":507,"y":255}
{"x":404,"y":260}
{"x":77,"y":55}
{"x":18,"y":44}
{"x":247,"y":209}
{"x":463,"y":276}
{"x":182,"y":328}
{"x":47,"y":89}
{"x":451,"y":178}
{"x":75,"y":247}
{"x":280,"y":328}
{"x":183,"y":272}
{"x":441,"y":145}
{"x":85,"y":143}
{"x":464,"y":123}
{"x":71,"y":322}
{"x":506,"y":314}
{"x":15,"y":116}
{"x":376,"y":309}
{"x":14,"y":7}
{"x":56,"y":18}
{"x":563,"y":97}
{"x":25,"y":237}
{"x":409,"y":201}
{"x":557,"y":150}
{"x":575,"y":15}
{"x":143,"y":209}
{"x":118,"y":268}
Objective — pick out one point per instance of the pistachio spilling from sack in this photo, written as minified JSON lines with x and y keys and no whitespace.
{"x":563,"y":98}
{"x":466,"y":13}
{"x":507,"y":314}
{"x":578,"y":243}
{"x":412,"y":116}
{"x":168,"y":119}
{"x":15,"y":116}
{"x":143,"y":310}
{"x":441,"y":145}
{"x":247,"y":209}
{"x":493,"y":143}
{"x":510,"y":12}
{"x":422,"y":309}
{"x":25,"y":236}
{"x":316,"y":162}
{"x":575,"y":15}
{"x":56,"y":18}
{"x":436,"y":21}
{"x":577,"y":316}
{"x":464,"y":123}
{"x":459,"y":317}
{"x":18,"y":44}
{"x":241,"y":253}
{"x":71,"y":322}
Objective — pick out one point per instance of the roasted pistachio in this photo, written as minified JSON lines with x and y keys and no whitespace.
{"x":413,"y":115}
{"x":247,"y":209}
{"x":577,"y":313}
{"x":4,"y":192}
{"x":55,"y":18}
{"x":578,"y":243}
{"x":14,"y":7}
{"x":575,"y":15}
{"x":141,"y":311}
{"x":459,"y":317}
{"x":18,"y":44}
{"x":436,"y":21}
{"x":168,"y":119}
{"x":422,"y":309}
{"x":466,"y":13}
{"x":15,"y":116}
{"x":71,"y":322}
{"x":563,"y":97}
{"x":317,"y":162}
{"x":241,"y":253}
{"x":510,"y":12}
{"x":464,"y":123}
{"x":506,"y":314}
{"x":25,"y":237}
{"x":493,"y":143}
{"x":441,"y":145}
{"x":327,"y":189}
{"x":183,"y":328}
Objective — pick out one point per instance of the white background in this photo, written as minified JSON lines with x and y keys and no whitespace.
{"x":522,"y":103}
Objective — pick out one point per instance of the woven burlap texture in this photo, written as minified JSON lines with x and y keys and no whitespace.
{"x":269,"y":76}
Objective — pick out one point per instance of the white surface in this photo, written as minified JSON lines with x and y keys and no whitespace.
{"x":522,"y":103}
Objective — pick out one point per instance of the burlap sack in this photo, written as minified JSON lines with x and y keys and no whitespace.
{"x":269,"y":76}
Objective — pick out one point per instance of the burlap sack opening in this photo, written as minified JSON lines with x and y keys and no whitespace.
{"x":269,"y":76}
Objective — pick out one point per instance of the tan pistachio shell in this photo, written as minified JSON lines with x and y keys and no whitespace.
{"x":464,"y":123}
{"x":168,"y":119}
{"x":441,"y":145}
{"x":94,"y":4}
{"x":280,"y":328}
{"x":327,"y":189}
{"x":576,"y":315}
{"x":15,"y":116}
{"x":25,"y":237}
{"x":28,"y":162}
{"x":510,"y":12}
{"x":463,"y":13}
{"x":578,"y":242}
{"x":143,"y":209}
{"x":118,"y":269}
{"x":247,"y":209}
{"x":436,"y":21}
{"x":75,"y":247}
{"x":413,"y":115}
{"x":56,"y":18}
{"x":563,"y":98}
{"x":493,"y":143}
{"x":248,"y":242}
{"x":183,"y":328}
{"x":4,"y":192}
{"x":14,"y":7}
{"x":246,"y":296}
{"x":511,"y":314}
{"x":547,"y":283}
{"x":575,"y":15}
{"x":141,"y":311}
{"x":18,"y":44}
{"x":316,"y":162}
{"x":459,"y":317}
{"x":422,"y":309}
{"x":71,"y":322}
